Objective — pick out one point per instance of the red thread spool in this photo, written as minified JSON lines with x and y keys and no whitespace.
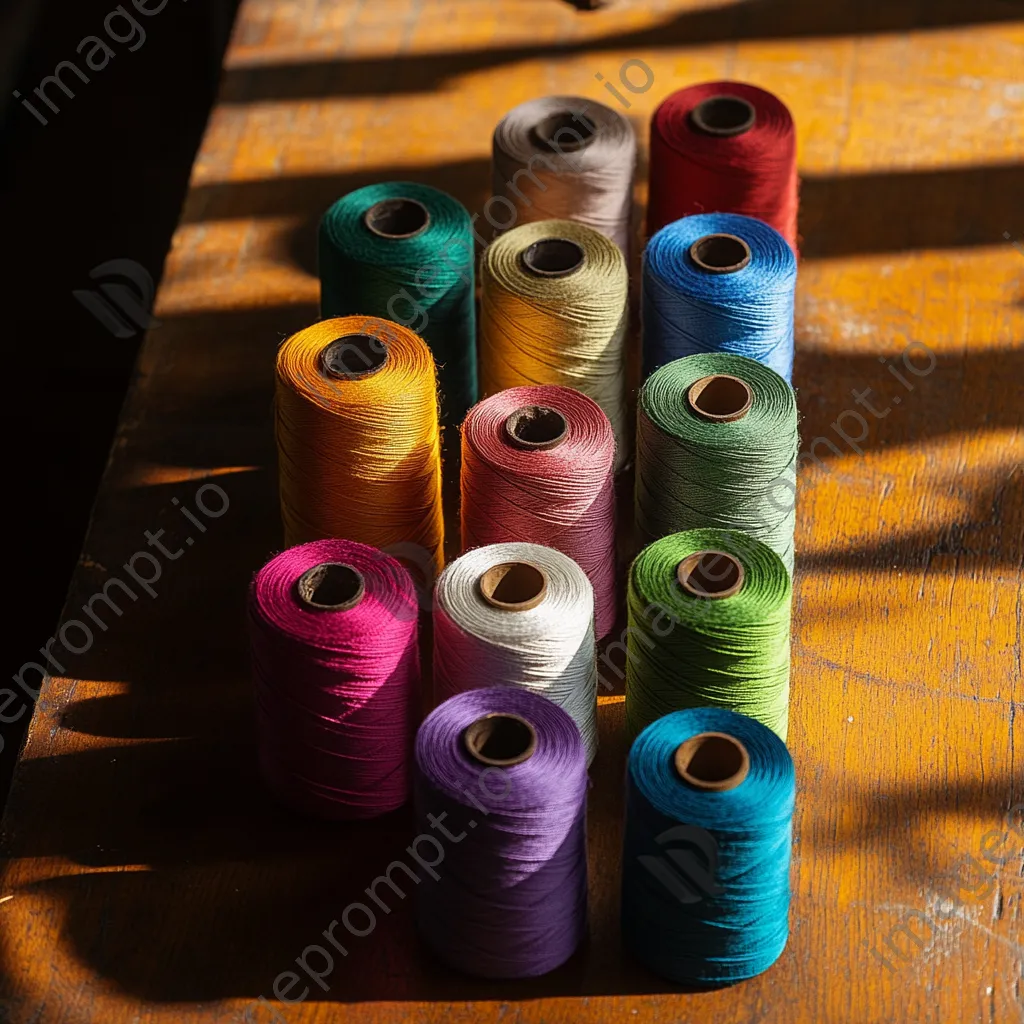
{"x":537,"y":467}
{"x":723,"y":147}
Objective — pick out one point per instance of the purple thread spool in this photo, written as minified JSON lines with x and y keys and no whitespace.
{"x":501,"y":785}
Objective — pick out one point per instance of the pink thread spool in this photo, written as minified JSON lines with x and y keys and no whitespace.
{"x":537,"y":466}
{"x":332,"y":628}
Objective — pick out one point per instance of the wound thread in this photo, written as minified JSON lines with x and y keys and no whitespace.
{"x":567,"y":158}
{"x":726,"y":917}
{"x":716,"y":446}
{"x":727,"y":147}
{"x":567,"y":330}
{"x":404,"y":251}
{"x":712,"y":643}
{"x":332,"y":633}
{"x":511,"y":899}
{"x":491,"y":630}
{"x":537,"y":467}
{"x":726,"y":302}
{"x":358,"y":437}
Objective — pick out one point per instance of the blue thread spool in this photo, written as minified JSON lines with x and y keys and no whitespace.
{"x":705,"y":878}
{"x":718,"y":282}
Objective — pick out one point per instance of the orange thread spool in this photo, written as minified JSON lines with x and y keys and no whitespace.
{"x":359,"y":449}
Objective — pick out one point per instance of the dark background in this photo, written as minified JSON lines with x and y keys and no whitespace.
{"x":103,"y":180}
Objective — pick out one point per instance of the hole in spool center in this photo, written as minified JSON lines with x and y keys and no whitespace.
{"x":561,"y":132}
{"x":514,"y":586}
{"x":720,"y":254}
{"x":397,"y":218}
{"x":536,"y":427}
{"x":500,"y":739}
{"x":553,"y":257}
{"x":354,"y":356}
{"x":712,"y":761}
{"x":331,"y":586}
{"x":711,"y":574}
{"x":720,"y":398}
{"x":724,"y":116}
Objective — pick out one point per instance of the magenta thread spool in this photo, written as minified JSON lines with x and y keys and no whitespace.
{"x":332,"y":628}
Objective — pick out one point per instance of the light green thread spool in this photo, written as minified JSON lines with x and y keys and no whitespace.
{"x":709,"y":619}
{"x":717,"y":446}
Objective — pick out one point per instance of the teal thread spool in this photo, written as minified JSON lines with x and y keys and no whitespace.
{"x":404,"y":251}
{"x":707,"y":847}
{"x":717,"y":445}
{"x":708,"y":626}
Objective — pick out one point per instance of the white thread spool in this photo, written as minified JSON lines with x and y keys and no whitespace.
{"x":567,"y":157}
{"x":518,"y":615}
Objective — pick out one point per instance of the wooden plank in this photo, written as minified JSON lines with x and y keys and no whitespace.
{"x":151,"y":878}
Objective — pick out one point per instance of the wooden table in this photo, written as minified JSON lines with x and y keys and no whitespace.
{"x":150,"y":879}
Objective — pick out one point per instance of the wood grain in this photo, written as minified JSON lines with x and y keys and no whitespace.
{"x":150,"y":878}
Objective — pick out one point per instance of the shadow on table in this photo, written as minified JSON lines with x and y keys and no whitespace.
{"x":733,"y":22}
{"x":841,"y":215}
{"x":222,"y":890}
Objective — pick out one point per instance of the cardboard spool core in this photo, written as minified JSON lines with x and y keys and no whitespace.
{"x":720,"y":398}
{"x":500,"y":739}
{"x":553,"y":257}
{"x":397,"y":218}
{"x":720,"y":254}
{"x":578,"y":136}
{"x":710,"y":574}
{"x":331,"y":587}
{"x":536,"y":428}
{"x":514,"y":586}
{"x":724,"y":116}
{"x":353,"y":356}
{"x":712,"y":761}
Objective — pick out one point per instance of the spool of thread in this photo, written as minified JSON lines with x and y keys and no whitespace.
{"x":518,"y":615}
{"x":718,"y":282}
{"x":567,"y":158}
{"x":717,"y":446}
{"x":502,"y":774}
{"x":723,"y":147}
{"x":357,"y":437}
{"x":404,"y":252}
{"x":709,"y":617}
{"x":537,"y":466}
{"x":332,"y":630}
{"x":708,"y":837}
{"x":553,"y":311}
